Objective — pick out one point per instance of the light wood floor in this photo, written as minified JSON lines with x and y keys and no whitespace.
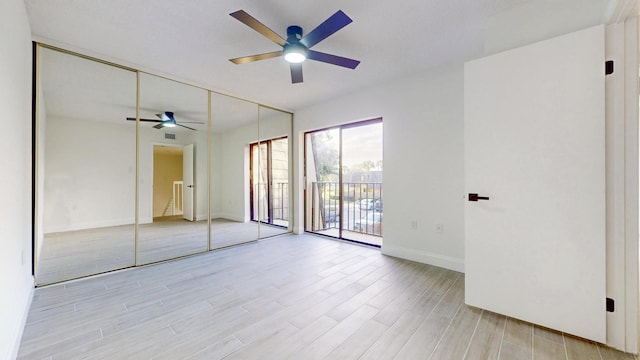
{"x":288,"y":297}
{"x":74,"y":254}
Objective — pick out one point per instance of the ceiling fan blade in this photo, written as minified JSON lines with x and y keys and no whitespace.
{"x":248,"y":59}
{"x":332,"y":59}
{"x":192,"y":122}
{"x":296,"y":73}
{"x":141,"y":119}
{"x":256,"y":25}
{"x":186,"y":127}
{"x":334,"y":23}
{"x":159,"y":126}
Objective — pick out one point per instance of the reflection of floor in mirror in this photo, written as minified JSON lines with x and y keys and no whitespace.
{"x":163,"y":240}
{"x":352,"y":235}
{"x":279,"y":222}
{"x":227,"y":232}
{"x":73,"y":254}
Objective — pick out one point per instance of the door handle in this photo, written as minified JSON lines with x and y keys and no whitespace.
{"x":189,"y":186}
{"x":475,"y":197}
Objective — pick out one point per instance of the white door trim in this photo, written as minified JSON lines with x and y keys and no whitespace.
{"x":631,"y":100}
{"x":622,"y":185}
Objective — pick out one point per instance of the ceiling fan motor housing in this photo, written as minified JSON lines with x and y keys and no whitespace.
{"x":294,"y":51}
{"x":294,"y":34}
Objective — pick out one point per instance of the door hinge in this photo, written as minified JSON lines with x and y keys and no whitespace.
{"x":608,"y":67}
{"x":611,"y":305}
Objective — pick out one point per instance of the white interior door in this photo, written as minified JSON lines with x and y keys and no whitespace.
{"x":534,"y":145}
{"x":188,"y":183}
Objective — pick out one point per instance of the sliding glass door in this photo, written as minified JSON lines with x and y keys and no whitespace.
{"x":344,"y":187}
{"x":362,"y":182}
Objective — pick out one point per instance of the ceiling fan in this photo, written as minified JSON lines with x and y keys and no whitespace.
{"x":297,"y":48}
{"x":166,"y":119}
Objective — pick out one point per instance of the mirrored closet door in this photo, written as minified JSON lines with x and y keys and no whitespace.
{"x":133,"y":168}
{"x":234,"y":127}
{"x":270,"y":159}
{"x":85,"y":167}
{"x":173,"y":177}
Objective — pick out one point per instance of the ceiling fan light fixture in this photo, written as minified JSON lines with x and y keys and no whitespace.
{"x":295,"y":53}
{"x":296,"y":48}
{"x":167,"y":119}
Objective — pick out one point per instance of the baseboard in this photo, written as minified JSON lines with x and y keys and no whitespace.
{"x":424,"y":257}
{"x":23,"y":323}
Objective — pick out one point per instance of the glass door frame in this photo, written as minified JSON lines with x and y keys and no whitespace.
{"x":340,"y":186}
{"x":269,"y":187}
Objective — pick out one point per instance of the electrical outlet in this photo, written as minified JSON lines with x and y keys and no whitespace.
{"x":439,"y":228}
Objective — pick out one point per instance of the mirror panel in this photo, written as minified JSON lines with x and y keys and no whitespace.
{"x":234,"y":127}
{"x":237,"y":170}
{"x":274,"y":193}
{"x":85,"y":175}
{"x":173,"y":176}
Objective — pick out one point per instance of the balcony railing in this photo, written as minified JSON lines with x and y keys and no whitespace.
{"x":280,"y":193}
{"x":279,"y":198}
{"x":361,"y":207}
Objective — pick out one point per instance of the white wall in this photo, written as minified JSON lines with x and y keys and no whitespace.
{"x":233,"y":159}
{"x":230,"y":164}
{"x":16,"y":282}
{"x":40,"y":175}
{"x":90,"y":174}
{"x":216,"y":176}
{"x":526,"y":22}
{"x":423,"y":158}
{"x":76,"y":198}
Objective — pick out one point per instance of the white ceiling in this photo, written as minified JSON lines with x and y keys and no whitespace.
{"x":192,"y":40}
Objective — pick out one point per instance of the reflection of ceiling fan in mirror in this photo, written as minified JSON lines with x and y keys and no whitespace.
{"x":166,"y":119}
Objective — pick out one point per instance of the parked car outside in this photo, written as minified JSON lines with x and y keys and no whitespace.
{"x":331,"y":214}
{"x":369,"y":224}
{"x":377,"y":206}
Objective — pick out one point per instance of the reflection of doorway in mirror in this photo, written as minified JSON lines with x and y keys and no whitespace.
{"x":168,"y":185}
{"x":173,"y":183}
{"x":174,"y":230}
